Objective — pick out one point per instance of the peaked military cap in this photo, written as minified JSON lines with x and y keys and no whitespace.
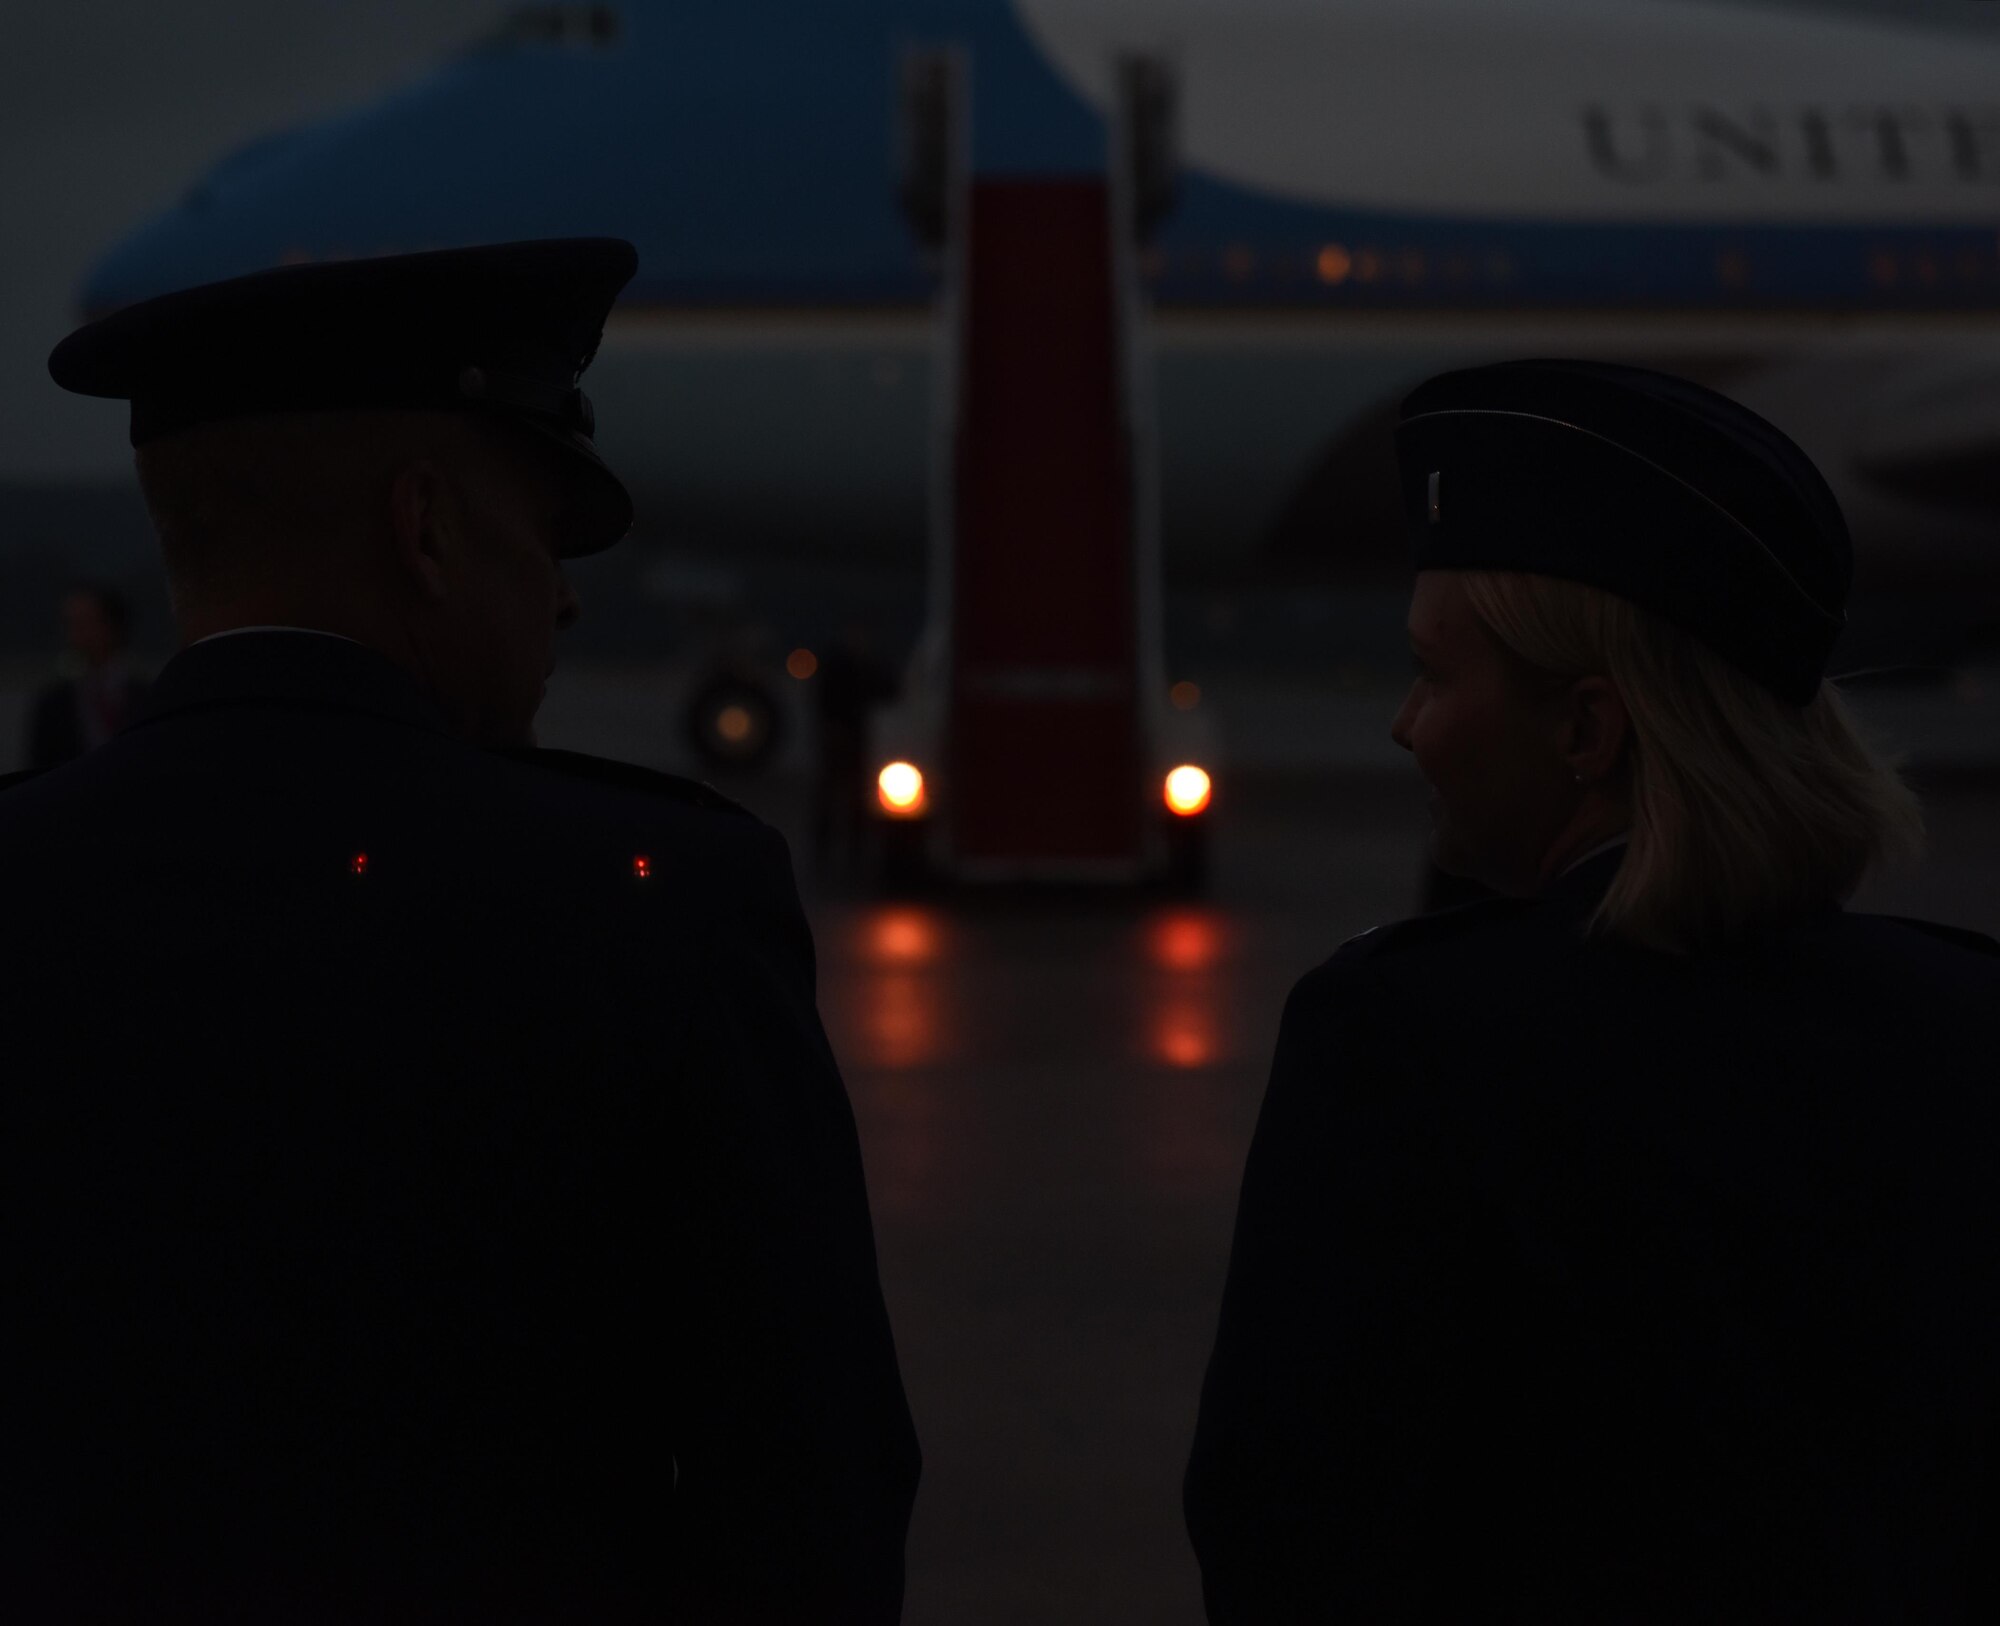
{"x":1643,"y":484}
{"x":506,"y":329}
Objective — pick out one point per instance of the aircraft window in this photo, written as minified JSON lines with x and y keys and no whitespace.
{"x":561,"y":25}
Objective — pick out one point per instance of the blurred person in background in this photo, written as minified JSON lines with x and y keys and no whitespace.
{"x":461,"y":1217}
{"x":851,"y":682}
{"x":75,"y":715}
{"x":1625,"y":1248}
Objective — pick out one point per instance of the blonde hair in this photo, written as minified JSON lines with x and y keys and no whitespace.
{"x":1745,"y":807}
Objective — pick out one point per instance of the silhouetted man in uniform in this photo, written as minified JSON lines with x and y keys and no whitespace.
{"x":463,"y":1220}
{"x":75,"y":715}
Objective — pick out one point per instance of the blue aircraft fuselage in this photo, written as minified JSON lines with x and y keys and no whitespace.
{"x":767,"y":380}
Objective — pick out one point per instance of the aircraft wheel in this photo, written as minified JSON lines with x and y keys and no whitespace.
{"x":733,"y":723}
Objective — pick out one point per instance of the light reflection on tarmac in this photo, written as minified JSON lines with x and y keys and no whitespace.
{"x":1054,"y":1098}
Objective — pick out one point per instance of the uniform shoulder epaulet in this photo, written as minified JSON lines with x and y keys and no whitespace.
{"x":628,"y":776}
{"x":1442,"y":926}
{"x":9,"y":780}
{"x":1963,"y":936}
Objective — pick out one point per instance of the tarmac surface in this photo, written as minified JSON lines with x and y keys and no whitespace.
{"x":1054,"y":1098}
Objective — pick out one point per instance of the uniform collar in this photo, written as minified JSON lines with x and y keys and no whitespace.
{"x":1581,"y":887}
{"x":274,"y":626}
{"x":1575,"y":894}
{"x":1624,"y":839}
{"x":292,"y":666}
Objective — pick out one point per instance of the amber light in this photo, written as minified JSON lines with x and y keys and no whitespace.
{"x":1188,"y":790}
{"x":1185,"y":696}
{"x":802,"y":663}
{"x":901,"y":788}
{"x":1335,"y":263}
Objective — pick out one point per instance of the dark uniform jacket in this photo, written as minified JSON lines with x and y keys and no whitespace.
{"x":411,"y":1210}
{"x":1584,"y":1284}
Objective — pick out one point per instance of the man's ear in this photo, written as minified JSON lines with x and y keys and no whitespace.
{"x":1596,"y":729}
{"x":426,"y":525}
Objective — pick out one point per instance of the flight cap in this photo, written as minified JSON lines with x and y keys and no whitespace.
{"x":505,"y":329}
{"x":1643,"y":484}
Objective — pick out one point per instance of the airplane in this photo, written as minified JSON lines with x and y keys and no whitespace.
{"x":1798,"y":204}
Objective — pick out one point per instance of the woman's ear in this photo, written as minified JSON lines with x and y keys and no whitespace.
{"x":425,"y":526}
{"x":1595,"y":729}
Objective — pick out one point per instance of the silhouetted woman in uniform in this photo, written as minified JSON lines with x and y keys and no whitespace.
{"x":1624,"y":1249}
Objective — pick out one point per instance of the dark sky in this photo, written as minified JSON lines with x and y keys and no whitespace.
{"x":110,"y":108}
